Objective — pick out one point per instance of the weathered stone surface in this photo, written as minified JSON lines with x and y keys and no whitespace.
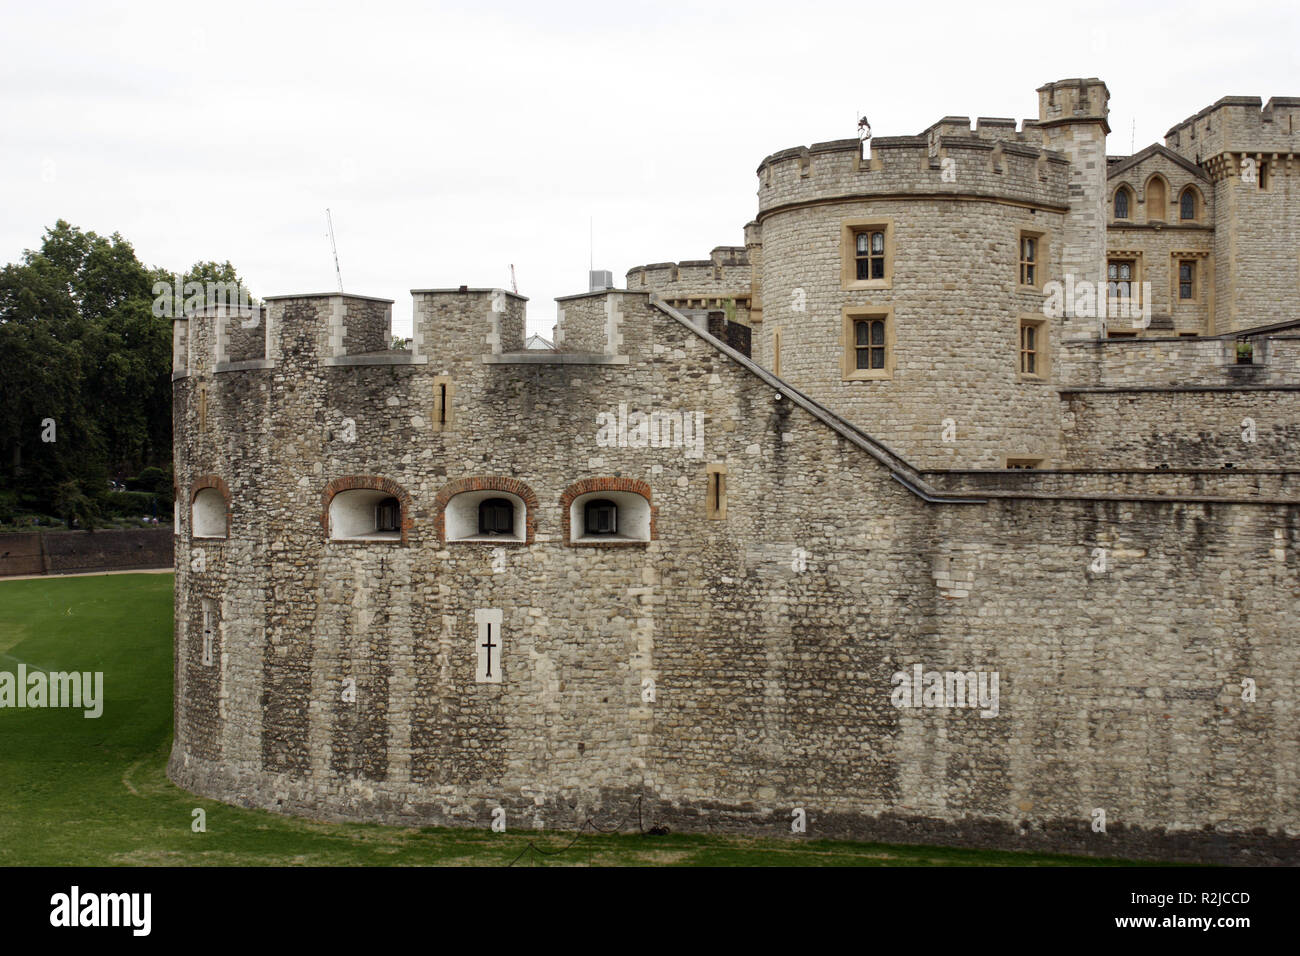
{"x":1126,"y":600}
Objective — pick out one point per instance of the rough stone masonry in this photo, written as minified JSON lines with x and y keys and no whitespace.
{"x":437,"y":593}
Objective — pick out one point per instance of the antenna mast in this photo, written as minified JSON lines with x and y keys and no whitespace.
{"x":330,"y":221}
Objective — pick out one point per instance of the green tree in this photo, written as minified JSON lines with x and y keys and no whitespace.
{"x":82,"y":346}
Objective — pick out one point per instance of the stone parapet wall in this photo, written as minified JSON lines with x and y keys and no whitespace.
{"x":1181,"y":428}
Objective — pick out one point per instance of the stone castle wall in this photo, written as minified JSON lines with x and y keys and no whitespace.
{"x":741,"y":663}
{"x":1192,"y":427}
{"x":772,"y":634}
{"x":1175,"y":362}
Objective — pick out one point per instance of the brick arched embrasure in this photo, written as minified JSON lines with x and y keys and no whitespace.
{"x":365,"y":483}
{"x":605,"y":484}
{"x":209,"y":481}
{"x":486,"y":483}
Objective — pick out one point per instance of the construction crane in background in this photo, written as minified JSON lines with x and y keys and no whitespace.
{"x":514,"y":286}
{"x":329,"y":220}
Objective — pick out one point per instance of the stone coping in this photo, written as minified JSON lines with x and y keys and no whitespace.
{"x":548,"y":357}
{"x":377,"y":358}
{"x":243,"y":366}
{"x":467,"y":290}
{"x":326,"y":295}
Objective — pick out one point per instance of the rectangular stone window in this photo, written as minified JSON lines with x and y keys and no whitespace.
{"x":1033,"y":354}
{"x":388,"y":515}
{"x":1031,"y":258}
{"x":868,"y":339}
{"x":776,"y":351}
{"x":1120,"y":276}
{"x":867,"y":254}
{"x":1023,"y":463}
{"x":869,"y":344}
{"x":716,"y":502}
{"x":1187,"y":280}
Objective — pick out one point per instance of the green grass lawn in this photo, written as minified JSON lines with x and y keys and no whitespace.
{"x":93,"y":792}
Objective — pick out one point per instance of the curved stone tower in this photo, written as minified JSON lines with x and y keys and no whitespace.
{"x":942,"y":292}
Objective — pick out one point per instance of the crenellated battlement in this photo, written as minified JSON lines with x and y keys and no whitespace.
{"x":221,"y":338}
{"x":986,"y":127}
{"x":1239,"y":124}
{"x":1073,"y":101}
{"x":722,"y":281}
{"x":724,"y":263}
{"x":343,"y":329}
{"x":454,"y":321}
{"x":993,"y":161}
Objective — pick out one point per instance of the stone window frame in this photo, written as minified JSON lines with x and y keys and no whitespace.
{"x":590,"y":485}
{"x":1042,"y":351}
{"x":849,"y":362}
{"x":1146,"y":198}
{"x":715,"y":496}
{"x":199,"y":484}
{"x":1139,"y":267}
{"x":1042,"y":245}
{"x":776,"y":351}
{"x":1198,"y":204}
{"x":849,"y":229}
{"x":1019,"y":462}
{"x":510,"y":486}
{"x":367,"y":483}
{"x":1200,"y":276}
{"x":1130,"y":202}
{"x":1263,"y":175}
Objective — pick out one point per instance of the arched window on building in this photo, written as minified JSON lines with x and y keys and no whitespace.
{"x":208,"y":514}
{"x":1187,"y":205}
{"x":1157,"y":200}
{"x":488,"y":509}
{"x":608,"y":511}
{"x":1122,"y":200}
{"x":365,"y":514}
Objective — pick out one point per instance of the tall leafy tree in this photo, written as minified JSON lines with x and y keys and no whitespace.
{"x":82,"y":347}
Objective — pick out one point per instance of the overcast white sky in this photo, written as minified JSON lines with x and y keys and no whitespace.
{"x":451,"y":140}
